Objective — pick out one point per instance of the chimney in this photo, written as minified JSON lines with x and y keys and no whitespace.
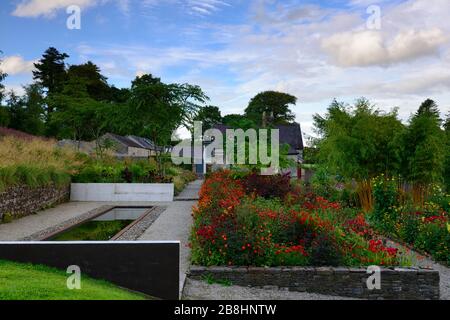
{"x":264,"y":120}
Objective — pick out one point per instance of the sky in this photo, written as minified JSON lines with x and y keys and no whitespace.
{"x":395,"y":53}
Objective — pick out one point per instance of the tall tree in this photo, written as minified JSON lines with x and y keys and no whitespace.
{"x":359,"y":143}
{"x":157,"y":109}
{"x":428,"y":107}
{"x":238,"y":121}
{"x":424,"y":150}
{"x":15,"y":105}
{"x":96,"y":84}
{"x":51,"y":73}
{"x":33,"y":115}
{"x":153,"y":113}
{"x":189,"y":99}
{"x":271,"y":108}
{"x":78,"y":116}
{"x":209,"y":116}
{"x":2,"y":77}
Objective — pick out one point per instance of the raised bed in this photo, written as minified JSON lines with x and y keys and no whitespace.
{"x":396,"y":283}
{"x":122,"y":192}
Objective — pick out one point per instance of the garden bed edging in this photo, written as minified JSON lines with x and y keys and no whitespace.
{"x":122,"y":192}
{"x":396,"y":283}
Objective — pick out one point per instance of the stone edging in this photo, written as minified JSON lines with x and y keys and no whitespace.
{"x":396,"y":283}
{"x":130,"y":235}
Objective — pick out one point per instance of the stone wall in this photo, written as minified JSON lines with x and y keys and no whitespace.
{"x":396,"y":283}
{"x":21,"y":201}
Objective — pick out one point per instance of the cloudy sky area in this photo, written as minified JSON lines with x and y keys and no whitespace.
{"x":233,"y":49}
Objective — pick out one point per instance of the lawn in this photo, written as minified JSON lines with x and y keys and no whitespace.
{"x":33,"y":282}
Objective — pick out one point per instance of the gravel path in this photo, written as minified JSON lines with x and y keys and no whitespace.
{"x":419,"y":260}
{"x":201,"y":290}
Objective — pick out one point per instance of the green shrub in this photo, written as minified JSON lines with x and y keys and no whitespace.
{"x":409,"y":230}
{"x":435,"y":239}
{"x":385,"y":194}
{"x":7,"y":218}
{"x":7,"y":177}
{"x":325,"y":252}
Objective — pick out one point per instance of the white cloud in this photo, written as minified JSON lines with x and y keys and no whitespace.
{"x":287,"y":45}
{"x":14,"y":65}
{"x":36,"y":8}
{"x":48,"y":8}
{"x":366,"y":48}
{"x":194,"y":7}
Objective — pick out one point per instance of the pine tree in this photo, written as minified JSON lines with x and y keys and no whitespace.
{"x":50,"y":72}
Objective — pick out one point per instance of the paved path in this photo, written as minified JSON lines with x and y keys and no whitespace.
{"x":174,"y":224}
{"x":26,"y":226}
{"x":190,"y":193}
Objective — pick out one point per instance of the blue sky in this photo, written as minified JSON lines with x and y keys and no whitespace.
{"x":315,"y":50}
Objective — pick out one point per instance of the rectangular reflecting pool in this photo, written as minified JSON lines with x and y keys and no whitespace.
{"x":103,"y":227}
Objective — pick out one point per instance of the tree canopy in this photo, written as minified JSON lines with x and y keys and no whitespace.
{"x":209,"y":116}
{"x":50,"y":70}
{"x":359,"y":142}
{"x":238,"y":121}
{"x":424,"y":146}
{"x":273,"y":106}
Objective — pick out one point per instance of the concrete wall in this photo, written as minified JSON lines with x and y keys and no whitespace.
{"x":20,"y":201}
{"x":138,"y":152}
{"x":109,"y":192}
{"x":396,"y":284}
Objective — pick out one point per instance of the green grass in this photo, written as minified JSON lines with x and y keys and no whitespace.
{"x":33,"y":282}
{"x":211,"y":280}
{"x":93,"y":231}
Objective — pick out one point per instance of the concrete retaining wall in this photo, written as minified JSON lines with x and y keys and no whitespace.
{"x":126,"y":192}
{"x":396,"y":283}
{"x":20,"y":201}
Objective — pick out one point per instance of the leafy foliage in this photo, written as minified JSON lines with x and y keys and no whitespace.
{"x":209,"y":116}
{"x":274,"y":186}
{"x":274,"y":105}
{"x":359,"y":142}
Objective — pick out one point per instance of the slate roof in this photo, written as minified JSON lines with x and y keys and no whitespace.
{"x":290,"y":134}
{"x":123,"y":140}
{"x":143,"y":142}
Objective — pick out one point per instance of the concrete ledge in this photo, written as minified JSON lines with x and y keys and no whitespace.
{"x":396,"y":283}
{"x":123,"y":192}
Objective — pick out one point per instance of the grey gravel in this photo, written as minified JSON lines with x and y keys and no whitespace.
{"x":201,"y":290}
{"x":139,"y":228}
{"x":422,"y":261}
